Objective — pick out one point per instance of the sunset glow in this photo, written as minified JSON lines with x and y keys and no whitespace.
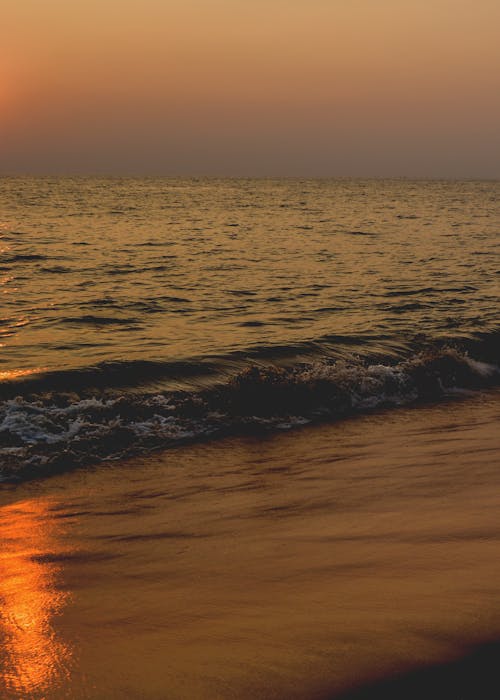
{"x":255,"y":88}
{"x":249,"y":349}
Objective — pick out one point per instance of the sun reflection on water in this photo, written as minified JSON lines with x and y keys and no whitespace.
{"x":33,"y":659}
{"x":9,"y":374}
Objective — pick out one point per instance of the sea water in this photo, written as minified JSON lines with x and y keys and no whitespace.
{"x":136,"y":313}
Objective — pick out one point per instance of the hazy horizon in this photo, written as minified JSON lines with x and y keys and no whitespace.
{"x":284,"y":178}
{"x":275,"y":89}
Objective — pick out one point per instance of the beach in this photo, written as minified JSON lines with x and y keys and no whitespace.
{"x":304,"y":564}
{"x":249,"y":350}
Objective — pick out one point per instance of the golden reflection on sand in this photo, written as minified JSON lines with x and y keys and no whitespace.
{"x":32,"y":658}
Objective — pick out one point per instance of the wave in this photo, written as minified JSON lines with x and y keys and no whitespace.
{"x":62,"y":423}
{"x":103,"y":377}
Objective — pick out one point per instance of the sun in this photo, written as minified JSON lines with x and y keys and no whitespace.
{"x":11,"y":99}
{"x":4,"y":90}
{"x":6,"y":93}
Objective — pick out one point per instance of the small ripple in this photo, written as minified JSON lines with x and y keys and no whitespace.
{"x":242,"y":292}
{"x":24,"y":257}
{"x":56,"y":270}
{"x":91,"y":320}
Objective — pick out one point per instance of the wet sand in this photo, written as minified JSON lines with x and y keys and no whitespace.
{"x":301,"y":565}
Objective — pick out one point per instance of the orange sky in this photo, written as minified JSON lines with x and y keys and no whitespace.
{"x":251,"y":87}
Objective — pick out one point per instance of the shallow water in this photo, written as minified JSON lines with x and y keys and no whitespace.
{"x":140,"y":312}
{"x":295,"y":566}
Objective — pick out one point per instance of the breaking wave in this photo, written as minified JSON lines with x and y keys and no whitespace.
{"x":58,"y":424}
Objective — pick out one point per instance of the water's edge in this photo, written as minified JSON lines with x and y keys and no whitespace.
{"x":60,"y":420}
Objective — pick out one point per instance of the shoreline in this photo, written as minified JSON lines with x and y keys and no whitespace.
{"x":301,"y":565}
{"x":55,"y":431}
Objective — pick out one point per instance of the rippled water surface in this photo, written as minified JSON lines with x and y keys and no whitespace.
{"x":101,"y":269}
{"x":161,"y":284}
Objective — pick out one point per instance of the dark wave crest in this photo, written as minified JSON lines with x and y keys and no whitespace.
{"x":58,"y":422}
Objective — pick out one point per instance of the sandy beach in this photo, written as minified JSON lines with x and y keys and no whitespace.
{"x":305,"y":564}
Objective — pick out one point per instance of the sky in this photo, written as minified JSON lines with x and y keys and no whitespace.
{"x":374,"y":88}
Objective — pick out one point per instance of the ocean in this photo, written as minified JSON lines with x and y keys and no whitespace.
{"x":249,"y":439}
{"x":138,"y":313}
